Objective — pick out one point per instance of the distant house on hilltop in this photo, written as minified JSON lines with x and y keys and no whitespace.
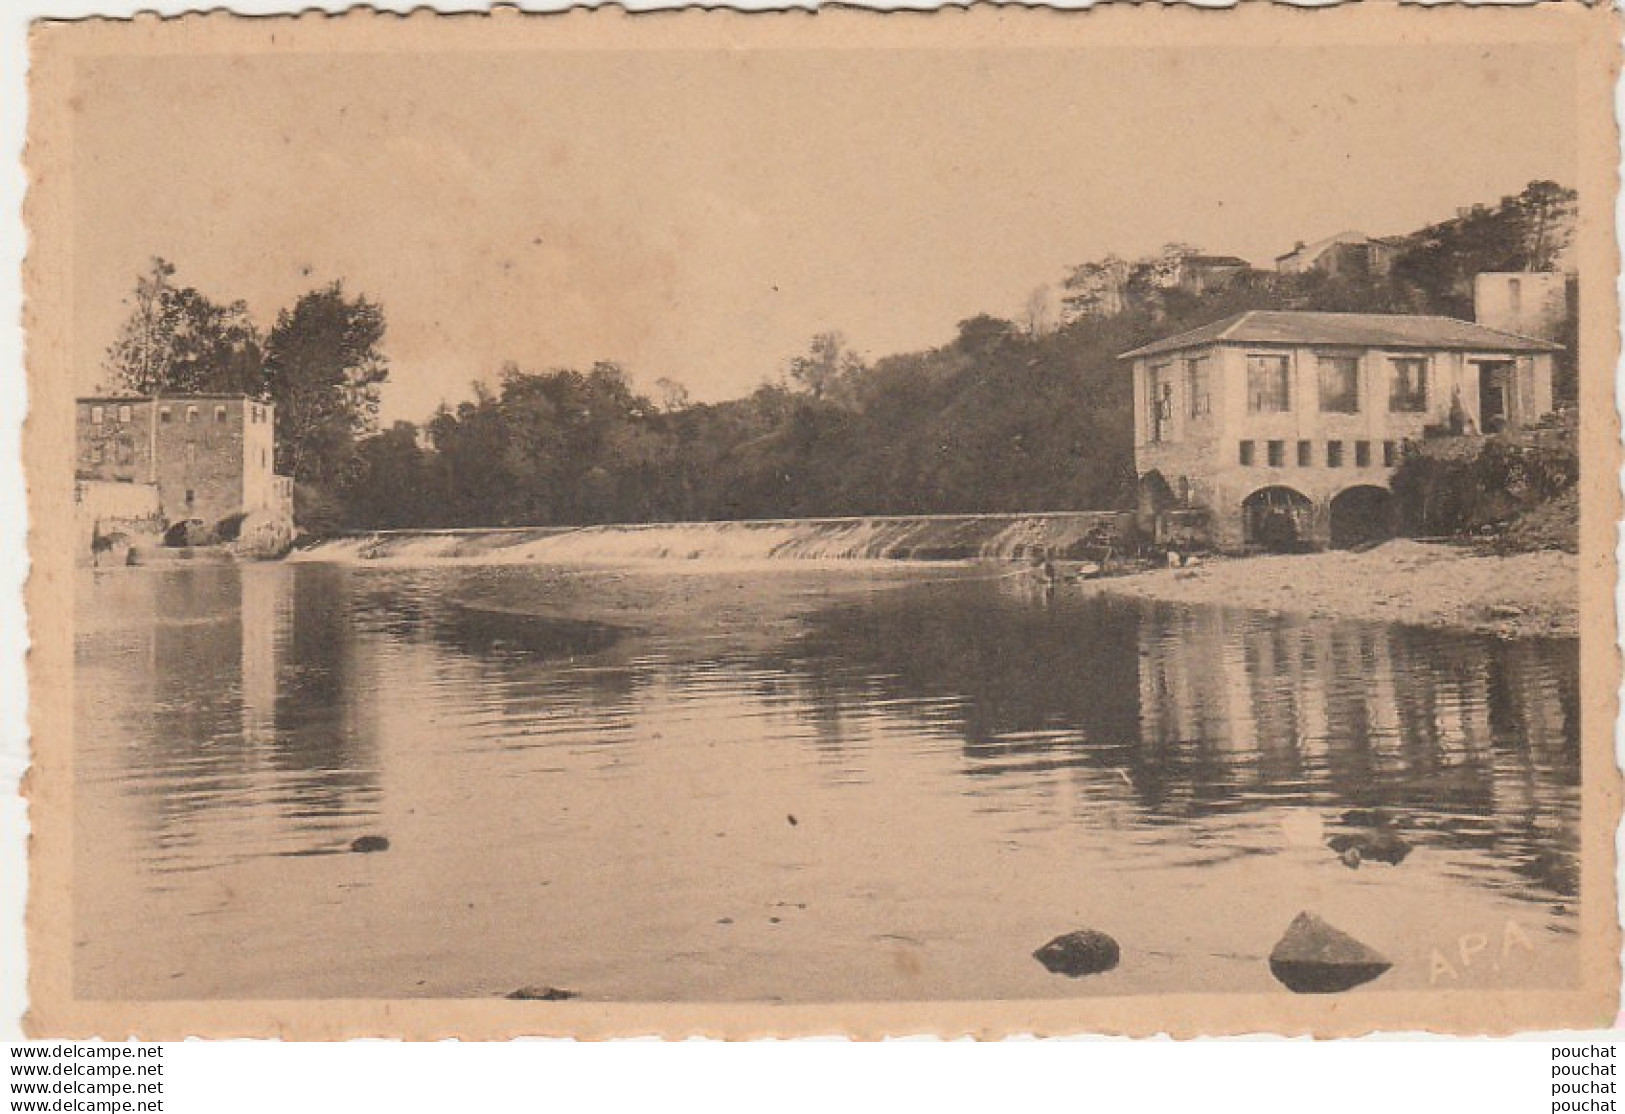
{"x":1200,"y":274}
{"x":1345,"y":255}
{"x":1285,"y":427}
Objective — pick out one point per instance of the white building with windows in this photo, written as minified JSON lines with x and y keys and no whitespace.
{"x":1285,"y":427}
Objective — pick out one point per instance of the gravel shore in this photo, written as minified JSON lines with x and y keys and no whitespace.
{"x":1517,"y":596}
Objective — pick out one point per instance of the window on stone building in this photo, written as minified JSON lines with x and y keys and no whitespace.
{"x":1340,"y":384}
{"x":1277,"y":453}
{"x":1161,"y":402}
{"x":95,"y":454}
{"x":1246,"y":454}
{"x":1390,"y":454}
{"x":163,"y":414}
{"x":191,"y":414}
{"x":1408,"y":385}
{"x":124,"y":415}
{"x":219,"y":413}
{"x":96,"y":415}
{"x":1334,"y":454}
{"x":191,"y":452}
{"x":1362,"y":454}
{"x":1197,"y":391}
{"x":1306,"y":451}
{"x":1269,"y":388}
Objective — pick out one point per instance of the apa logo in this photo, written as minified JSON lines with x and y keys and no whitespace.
{"x":1474,"y":948}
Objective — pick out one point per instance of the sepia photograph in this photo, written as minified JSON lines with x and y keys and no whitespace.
{"x":991,"y":521}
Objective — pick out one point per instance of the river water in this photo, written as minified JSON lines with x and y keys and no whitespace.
{"x":679,"y":783}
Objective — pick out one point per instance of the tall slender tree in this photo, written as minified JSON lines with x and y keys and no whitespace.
{"x":324,"y":368}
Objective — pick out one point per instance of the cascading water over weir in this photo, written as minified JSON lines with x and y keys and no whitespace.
{"x":989,"y":537}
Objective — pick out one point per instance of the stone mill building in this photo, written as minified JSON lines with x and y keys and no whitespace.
{"x":143,"y":465}
{"x":1283,"y":428}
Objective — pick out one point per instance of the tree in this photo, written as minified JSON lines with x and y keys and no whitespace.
{"x":983,"y":334}
{"x":215,"y":348}
{"x":393,"y":485}
{"x":672,"y":394}
{"x":1096,"y":289}
{"x":139,"y":359}
{"x":178,"y":341}
{"x":1547,"y":212}
{"x":324,"y":368}
{"x":825,"y":363}
{"x":1037,"y":312}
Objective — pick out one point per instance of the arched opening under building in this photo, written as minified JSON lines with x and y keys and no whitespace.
{"x":1363,"y":515}
{"x":1279,"y":519}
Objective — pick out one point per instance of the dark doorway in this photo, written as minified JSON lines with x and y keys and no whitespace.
{"x":1362,"y":516}
{"x":1278,"y":519}
{"x":1154,"y":495}
{"x":1494,"y":394}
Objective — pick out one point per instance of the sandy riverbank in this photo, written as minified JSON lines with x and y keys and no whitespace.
{"x":1522,"y":595}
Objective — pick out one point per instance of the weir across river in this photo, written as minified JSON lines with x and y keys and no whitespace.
{"x":875,"y":538}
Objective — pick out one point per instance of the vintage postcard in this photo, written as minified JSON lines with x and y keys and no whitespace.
{"x":976,"y":522}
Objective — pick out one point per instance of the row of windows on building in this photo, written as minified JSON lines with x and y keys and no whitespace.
{"x":99,"y":415}
{"x":1334,"y":454}
{"x":1269,"y":386}
{"x":123,"y":452}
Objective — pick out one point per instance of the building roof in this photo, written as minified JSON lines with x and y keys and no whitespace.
{"x":1319,"y":247}
{"x":1355,"y":330}
{"x":127,"y":399}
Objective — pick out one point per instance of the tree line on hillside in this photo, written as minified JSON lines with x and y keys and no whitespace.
{"x":1005,"y":416}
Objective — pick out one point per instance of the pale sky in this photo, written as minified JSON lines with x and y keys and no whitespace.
{"x":700,"y":216}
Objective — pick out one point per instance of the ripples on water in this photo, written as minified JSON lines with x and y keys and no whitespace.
{"x":600,"y":795}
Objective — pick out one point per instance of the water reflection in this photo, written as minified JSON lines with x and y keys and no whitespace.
{"x":242,"y":714}
{"x":1188,"y":712}
{"x":649,"y":733}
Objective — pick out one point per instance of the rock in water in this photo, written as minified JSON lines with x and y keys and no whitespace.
{"x":542,"y":994}
{"x":1315,"y":958}
{"x":1381,"y":847}
{"x":366,"y":844}
{"x":1085,"y":952}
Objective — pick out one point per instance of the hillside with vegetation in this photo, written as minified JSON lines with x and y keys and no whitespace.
{"x":1005,"y":415}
